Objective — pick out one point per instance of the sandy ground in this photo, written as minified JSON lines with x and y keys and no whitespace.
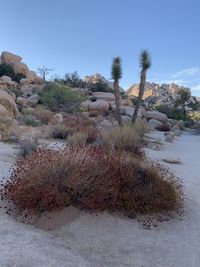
{"x":106,"y":240}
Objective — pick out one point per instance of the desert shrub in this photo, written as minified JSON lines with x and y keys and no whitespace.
{"x":172,"y":113}
{"x":86,"y":177}
{"x":77,"y":139}
{"x":73,"y":80}
{"x":123,"y":138}
{"x":81,"y":124}
{"x":194,"y":115}
{"x":57,"y":97}
{"x":6,"y":127}
{"x":44,"y":115}
{"x":141,"y":127}
{"x":163,"y":128}
{"x":28,"y":145}
{"x":7,"y":69}
{"x":98,"y":86}
{"x":59,"y":131}
{"x":29,"y":120}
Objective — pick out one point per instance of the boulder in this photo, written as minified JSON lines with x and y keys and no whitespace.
{"x":169,"y":137}
{"x":3,"y":110}
{"x":105,"y":124}
{"x":126,"y":102}
{"x":125,"y":110}
{"x":6,"y":83}
{"x":8,"y":102}
{"x":98,"y":105}
{"x":29,"y":89}
{"x":105,"y":96}
{"x":153,"y":124}
{"x":20,"y":67}
{"x":126,"y":119}
{"x":23,"y":102}
{"x":33,"y":100}
{"x":155,"y":115}
{"x":8,"y":58}
{"x":84,"y":106}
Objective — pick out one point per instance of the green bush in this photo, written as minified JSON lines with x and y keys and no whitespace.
{"x":6,"y":69}
{"x":57,"y":96}
{"x":172,"y":113}
{"x":98,"y":86}
{"x":30,"y":120}
{"x":195,"y":115}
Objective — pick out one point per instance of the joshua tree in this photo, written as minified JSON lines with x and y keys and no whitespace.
{"x":184,"y":96}
{"x":145,"y":63}
{"x":116,"y":75}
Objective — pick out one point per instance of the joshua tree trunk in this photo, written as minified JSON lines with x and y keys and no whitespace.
{"x":117,"y":102}
{"x":141,"y":92}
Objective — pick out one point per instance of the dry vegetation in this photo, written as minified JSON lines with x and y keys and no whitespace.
{"x":93,"y":178}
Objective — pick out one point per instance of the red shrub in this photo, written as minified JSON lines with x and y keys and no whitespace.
{"x":95,"y":178}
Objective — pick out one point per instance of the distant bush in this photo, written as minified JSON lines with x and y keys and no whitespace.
{"x":194,"y":115}
{"x":73,"y":80}
{"x":98,"y":86}
{"x":172,"y":113}
{"x":57,"y":97}
{"x":29,"y":120}
{"x":92,"y":178}
{"x":7,"y":70}
{"x":59,"y":132}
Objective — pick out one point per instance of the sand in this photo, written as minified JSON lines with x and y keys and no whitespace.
{"x":105,"y":240}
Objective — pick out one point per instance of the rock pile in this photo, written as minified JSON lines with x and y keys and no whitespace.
{"x":165,"y":94}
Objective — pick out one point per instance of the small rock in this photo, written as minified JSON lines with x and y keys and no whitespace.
{"x":172,"y":161}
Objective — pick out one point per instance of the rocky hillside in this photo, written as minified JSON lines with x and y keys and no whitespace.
{"x":156,"y":94}
{"x":99,"y":78}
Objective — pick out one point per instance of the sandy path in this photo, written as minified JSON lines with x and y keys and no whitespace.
{"x":106,"y":240}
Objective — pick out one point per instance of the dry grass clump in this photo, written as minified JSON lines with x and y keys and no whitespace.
{"x":78,"y":125}
{"x":141,"y":127}
{"x":94,"y":178}
{"x":77,"y":139}
{"x":59,"y":131}
{"x":7,"y":127}
{"x":44,"y":115}
{"x":125,"y":138}
{"x":28,"y":144}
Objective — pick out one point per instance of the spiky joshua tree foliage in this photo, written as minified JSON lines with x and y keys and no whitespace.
{"x":145,"y":63}
{"x":116,"y":75}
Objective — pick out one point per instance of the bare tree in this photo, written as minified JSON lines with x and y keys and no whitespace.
{"x":44,"y":71}
{"x":116,"y":75}
{"x":145,"y":63}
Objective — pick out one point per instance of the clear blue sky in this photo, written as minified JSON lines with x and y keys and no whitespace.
{"x":85,"y":35}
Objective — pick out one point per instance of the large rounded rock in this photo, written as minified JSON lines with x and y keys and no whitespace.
{"x":22,"y":101}
{"x":20,"y":67}
{"x":153,"y":124}
{"x":84,"y":106}
{"x":8,"y":102}
{"x":3,"y":111}
{"x":8,"y":58}
{"x":155,"y":115}
{"x":8,"y":81}
{"x":33,"y":100}
{"x":105,"y":96}
{"x":98,"y":105}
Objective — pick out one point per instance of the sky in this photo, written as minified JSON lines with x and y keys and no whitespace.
{"x":85,"y":35}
